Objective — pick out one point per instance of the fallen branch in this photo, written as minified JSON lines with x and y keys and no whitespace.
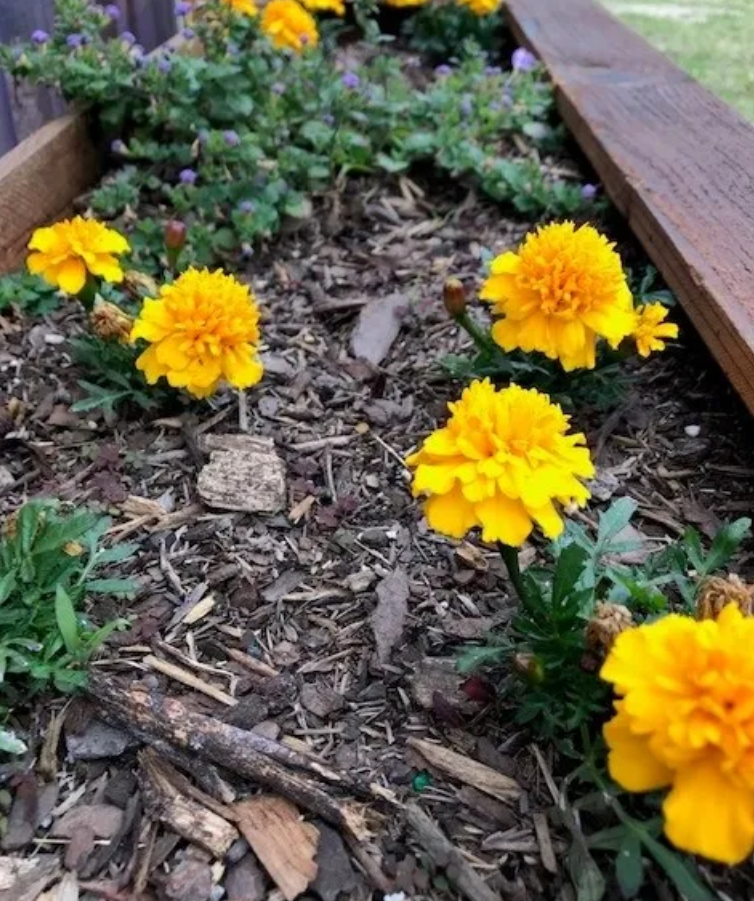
{"x":447,"y":857}
{"x":160,"y":719}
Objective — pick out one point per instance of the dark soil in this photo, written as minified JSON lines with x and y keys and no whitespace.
{"x":297,"y":590}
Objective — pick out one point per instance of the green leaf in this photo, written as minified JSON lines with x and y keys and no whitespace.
{"x":568,"y":570}
{"x":10,"y":744}
{"x":66,"y":619}
{"x":629,"y":867}
{"x":111,"y":586}
{"x":678,"y":871}
{"x":391,"y":165}
{"x":614,"y":520}
{"x":726,"y":543}
{"x":587,"y":879}
{"x":474,"y":658}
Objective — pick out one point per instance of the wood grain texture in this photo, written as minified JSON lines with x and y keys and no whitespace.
{"x":39,"y":180}
{"x":676,"y":161}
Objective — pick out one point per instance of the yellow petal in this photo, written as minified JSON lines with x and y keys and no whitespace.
{"x":706,"y":813}
{"x":451,"y":514}
{"x":72,"y":276}
{"x":631,"y":762}
{"x":504,"y":520}
{"x":150,"y":365}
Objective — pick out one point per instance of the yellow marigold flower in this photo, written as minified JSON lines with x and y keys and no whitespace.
{"x":400,"y":3}
{"x":67,"y":251}
{"x":650,"y":328}
{"x":247,"y":7}
{"x":685,"y":719}
{"x":481,"y":7}
{"x":562,"y":290}
{"x":500,"y":462}
{"x":287,"y":24}
{"x":334,"y":6}
{"x":203,"y":329}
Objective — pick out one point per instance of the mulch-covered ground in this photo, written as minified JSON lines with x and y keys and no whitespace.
{"x":296,"y":593}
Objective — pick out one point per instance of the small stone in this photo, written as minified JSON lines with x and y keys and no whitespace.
{"x":320,"y":699}
{"x":267,"y":729}
{"x":79,"y":848}
{"x":693,"y":431}
{"x":103,"y":819}
{"x":6,"y":477}
{"x":245,"y":880}
{"x":335,"y":874}
{"x":190,"y":880}
{"x":250,"y":711}
{"x":375,"y":537}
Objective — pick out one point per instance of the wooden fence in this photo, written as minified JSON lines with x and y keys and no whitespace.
{"x":22,"y":111}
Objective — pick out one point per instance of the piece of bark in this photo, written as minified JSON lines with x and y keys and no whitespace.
{"x":190,"y":819}
{"x":334,"y":871}
{"x":377,"y":327}
{"x":103,"y":819}
{"x":185,"y":677}
{"x":80,"y":848}
{"x":189,"y":880}
{"x":32,"y":804}
{"x":244,"y":473}
{"x":389,"y":616}
{"x":467,"y":770}
{"x":285,"y":845}
{"x":24,"y":879}
{"x":447,"y":857}
{"x":270,"y":764}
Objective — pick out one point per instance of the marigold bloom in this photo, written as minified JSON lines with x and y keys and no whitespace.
{"x":287,"y":24}
{"x":480,"y":7}
{"x":562,"y":290}
{"x":501,"y":462}
{"x":334,"y":6}
{"x":685,"y":719}
{"x":400,"y":3}
{"x":247,"y":7}
{"x":67,"y":251}
{"x":650,"y":328}
{"x":203,"y":329}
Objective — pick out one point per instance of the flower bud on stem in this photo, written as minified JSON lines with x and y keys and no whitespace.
{"x":454,"y":298}
{"x":175,"y":240}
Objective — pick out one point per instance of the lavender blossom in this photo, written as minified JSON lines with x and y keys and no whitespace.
{"x":165,"y":65}
{"x":187,"y":176}
{"x":522,"y":60}
{"x":40,"y":37}
{"x":589,"y":192}
{"x":443,"y":70}
{"x":182,"y":8}
{"x":492,"y":71}
{"x":278,"y":88}
{"x":74,"y":40}
{"x":112,"y":11}
{"x":350,"y":80}
{"x":118,"y":147}
{"x":128,"y":37}
{"x":188,"y":33}
{"x":247,"y":206}
{"x":231,"y":138}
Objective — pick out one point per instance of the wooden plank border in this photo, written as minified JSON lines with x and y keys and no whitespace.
{"x":676,"y":160}
{"x":39,"y":180}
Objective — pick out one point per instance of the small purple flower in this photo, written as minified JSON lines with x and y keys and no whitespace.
{"x":128,"y":37}
{"x":247,"y":206}
{"x":118,"y":147}
{"x":522,"y":60}
{"x":182,"y":8}
{"x":278,"y":88}
{"x":466,"y":106}
{"x":165,"y":65}
{"x":589,"y":192}
{"x":188,"y":33}
{"x":231,"y":138}
{"x":187,"y":176}
{"x":112,"y":11}
{"x":74,"y":40}
{"x":40,"y":37}
{"x":232,"y":49}
{"x":138,"y":53}
{"x":492,"y":71}
{"x":350,"y":80}
{"x":443,"y":70}
{"x":328,"y":119}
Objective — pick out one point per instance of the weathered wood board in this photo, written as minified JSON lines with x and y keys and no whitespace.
{"x":676,"y":161}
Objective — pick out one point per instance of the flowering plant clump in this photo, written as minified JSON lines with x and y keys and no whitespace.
{"x":650,"y":329}
{"x":502,"y":462}
{"x":202,"y":329}
{"x":685,"y":719}
{"x":67,"y":253}
{"x":559,"y":294}
{"x":288,"y":25}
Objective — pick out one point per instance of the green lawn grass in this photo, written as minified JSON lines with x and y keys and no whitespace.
{"x":713,"y":40}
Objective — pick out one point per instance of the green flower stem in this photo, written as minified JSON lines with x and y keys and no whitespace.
{"x":88,"y":294}
{"x":478,"y":335}
{"x":510,"y":559}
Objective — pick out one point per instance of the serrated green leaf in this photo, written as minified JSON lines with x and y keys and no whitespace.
{"x":725,"y":544}
{"x":568,"y":570}
{"x":629,"y":866}
{"x":111,"y":586}
{"x":587,"y":879}
{"x":10,"y":743}
{"x":614,"y":520}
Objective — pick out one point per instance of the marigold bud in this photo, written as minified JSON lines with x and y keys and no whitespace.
{"x":9,"y":526}
{"x":605,"y":626}
{"x":454,"y":297}
{"x":530,"y":666}
{"x":175,"y":234}
{"x":110,"y":322}
{"x":717,"y":592}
